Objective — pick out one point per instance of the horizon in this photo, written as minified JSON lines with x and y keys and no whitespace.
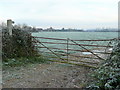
{"x":87,"y":14}
{"x":100,"y":28}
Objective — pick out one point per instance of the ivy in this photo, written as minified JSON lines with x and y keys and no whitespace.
{"x":107,"y":76}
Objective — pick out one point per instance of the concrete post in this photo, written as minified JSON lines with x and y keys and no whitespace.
{"x":9,"y":26}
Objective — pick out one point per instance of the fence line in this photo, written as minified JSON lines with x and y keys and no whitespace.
{"x":71,"y":55}
{"x":87,"y":50}
{"x":73,"y":50}
{"x":51,"y":51}
{"x":67,"y":49}
{"x":78,"y":61}
{"x":75,"y":44}
{"x":75,"y":40}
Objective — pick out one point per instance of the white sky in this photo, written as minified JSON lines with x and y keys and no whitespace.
{"x":83,"y":14}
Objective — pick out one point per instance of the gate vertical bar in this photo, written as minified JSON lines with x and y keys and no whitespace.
{"x":1,"y":28}
{"x":67,"y":47}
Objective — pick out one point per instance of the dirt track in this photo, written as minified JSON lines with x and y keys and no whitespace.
{"x":54,"y":75}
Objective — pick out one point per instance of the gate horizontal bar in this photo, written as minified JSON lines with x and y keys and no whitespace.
{"x":85,"y":65}
{"x":75,"y":44}
{"x":74,"y":40}
{"x":73,"y":50}
{"x":71,"y":55}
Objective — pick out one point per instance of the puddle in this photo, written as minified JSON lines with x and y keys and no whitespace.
{"x":86,"y":53}
{"x":98,"y":51}
{"x":111,"y":49}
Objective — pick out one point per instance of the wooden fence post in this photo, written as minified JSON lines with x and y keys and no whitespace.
{"x":9,"y":26}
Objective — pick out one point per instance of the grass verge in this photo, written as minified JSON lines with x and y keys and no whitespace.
{"x":23,"y":61}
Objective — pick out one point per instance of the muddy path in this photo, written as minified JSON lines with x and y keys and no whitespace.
{"x":52,"y":75}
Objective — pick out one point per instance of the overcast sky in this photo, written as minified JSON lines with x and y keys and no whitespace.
{"x":61,"y":13}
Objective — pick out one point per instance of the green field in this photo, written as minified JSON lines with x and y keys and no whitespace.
{"x":75,"y":36}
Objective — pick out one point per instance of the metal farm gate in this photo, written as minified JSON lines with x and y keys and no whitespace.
{"x":88,"y":53}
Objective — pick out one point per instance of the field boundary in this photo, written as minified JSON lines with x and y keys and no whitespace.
{"x":65,"y":57}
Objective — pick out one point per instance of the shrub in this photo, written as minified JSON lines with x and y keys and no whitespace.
{"x":108,"y":75}
{"x":18,"y":45}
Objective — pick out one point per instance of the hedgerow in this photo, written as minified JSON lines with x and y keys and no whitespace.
{"x":18,"y":45}
{"x":107,"y":76}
